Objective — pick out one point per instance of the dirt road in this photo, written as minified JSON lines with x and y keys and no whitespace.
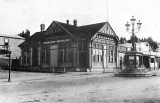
{"x":79,"y":88}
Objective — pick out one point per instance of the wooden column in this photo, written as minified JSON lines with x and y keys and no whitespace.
{"x":107,"y":50}
{"x":39,"y":55}
{"x":74,"y":55}
{"x":142,"y":61}
{"x":117,"y":56}
{"x":30,"y":53}
{"x":90,"y":55}
{"x":149,"y":62}
{"x":104,"y":57}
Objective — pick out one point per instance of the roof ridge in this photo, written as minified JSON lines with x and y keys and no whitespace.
{"x":81,"y":25}
{"x":93,"y":24}
{"x":66,"y":24}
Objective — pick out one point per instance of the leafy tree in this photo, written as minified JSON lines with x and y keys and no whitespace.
{"x":151,"y":42}
{"x":122,"y":40}
{"x":133,"y":38}
{"x":25,"y":34}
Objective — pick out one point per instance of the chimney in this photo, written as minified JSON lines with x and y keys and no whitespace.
{"x":42,"y":26}
{"x":75,"y":22}
{"x":67,"y":22}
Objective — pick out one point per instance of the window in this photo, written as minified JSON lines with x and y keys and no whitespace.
{"x":97,"y":53}
{"x":45,"y":54}
{"x":61,"y":55}
{"x":111,"y":55}
{"x":26,"y":55}
{"x":82,"y":46}
{"x":100,"y":53}
{"x":131,"y":61}
{"x":39,"y":55}
{"x":152,"y":60}
{"x":137,"y":61}
{"x":94,"y":52}
{"x":65,"y":52}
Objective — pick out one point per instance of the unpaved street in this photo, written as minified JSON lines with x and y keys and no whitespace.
{"x":78,"y":88}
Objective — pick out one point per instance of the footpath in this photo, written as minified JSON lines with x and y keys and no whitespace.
{"x":18,"y":77}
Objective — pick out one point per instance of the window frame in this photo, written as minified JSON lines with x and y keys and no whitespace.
{"x":45,"y":54}
{"x":65,"y":52}
{"x":97,"y":51}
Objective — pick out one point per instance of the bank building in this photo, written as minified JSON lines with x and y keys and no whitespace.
{"x":68,"y":47}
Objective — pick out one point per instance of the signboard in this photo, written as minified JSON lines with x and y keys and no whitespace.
{"x":3,"y":47}
{"x":56,"y":41}
{"x":122,"y":48}
{"x":104,"y":41}
{"x":3,"y":51}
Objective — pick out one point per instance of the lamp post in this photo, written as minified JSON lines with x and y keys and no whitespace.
{"x":6,"y":43}
{"x":133,"y":32}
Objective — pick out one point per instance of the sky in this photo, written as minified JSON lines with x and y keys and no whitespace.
{"x":18,"y":15}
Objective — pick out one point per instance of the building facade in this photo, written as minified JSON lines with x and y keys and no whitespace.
{"x":71,"y":47}
{"x":14,"y":41}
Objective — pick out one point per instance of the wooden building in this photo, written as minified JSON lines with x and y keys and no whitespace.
{"x":71,"y":48}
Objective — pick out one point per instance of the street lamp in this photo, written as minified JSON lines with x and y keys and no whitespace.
{"x":133,"y":32}
{"x":6,"y":43}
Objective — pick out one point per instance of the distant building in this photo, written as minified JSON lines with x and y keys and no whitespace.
{"x":14,"y":41}
{"x":140,"y":47}
{"x":71,"y":47}
{"x":158,"y":49}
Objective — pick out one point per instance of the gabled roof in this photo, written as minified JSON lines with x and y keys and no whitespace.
{"x":74,"y":31}
{"x":70,"y":28}
{"x":88,"y":30}
{"x":33,"y":40}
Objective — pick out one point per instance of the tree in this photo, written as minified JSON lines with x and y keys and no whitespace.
{"x":122,"y":40}
{"x":137,"y":40}
{"x":152,"y":43}
{"x":25,"y":34}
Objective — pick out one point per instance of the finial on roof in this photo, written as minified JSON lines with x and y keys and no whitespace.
{"x":75,"y":22}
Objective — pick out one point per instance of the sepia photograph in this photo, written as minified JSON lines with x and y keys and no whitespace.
{"x":79,"y":51}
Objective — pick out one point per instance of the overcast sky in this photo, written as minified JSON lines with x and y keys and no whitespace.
{"x":19,"y":15}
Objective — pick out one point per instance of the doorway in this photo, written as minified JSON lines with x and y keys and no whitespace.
{"x":82,"y":60}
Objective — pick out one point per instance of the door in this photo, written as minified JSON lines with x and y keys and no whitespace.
{"x":82,"y":60}
{"x":54,"y":55}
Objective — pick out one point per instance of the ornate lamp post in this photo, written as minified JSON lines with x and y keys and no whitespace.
{"x":133,"y":32}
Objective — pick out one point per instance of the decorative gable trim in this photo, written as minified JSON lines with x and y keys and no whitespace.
{"x":97,"y":31}
{"x":56,"y":30}
{"x":106,"y":29}
{"x":64,"y":29}
{"x":82,"y":35}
